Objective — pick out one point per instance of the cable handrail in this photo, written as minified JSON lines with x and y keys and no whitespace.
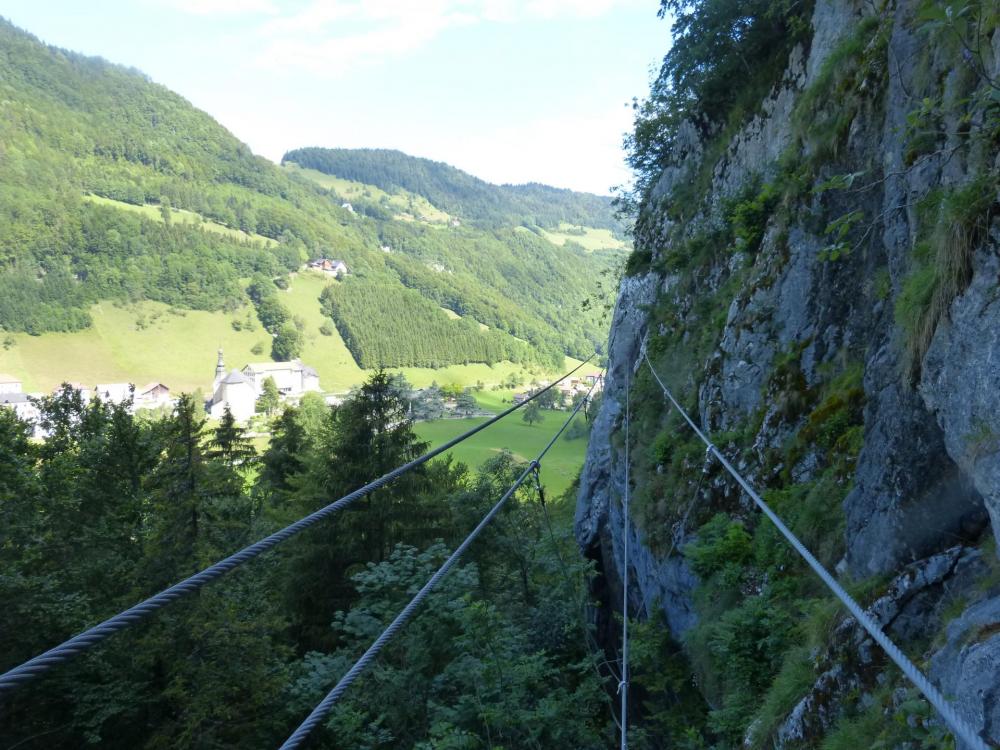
{"x":323,"y":708}
{"x":20,"y":675}
{"x":623,"y":685}
{"x":956,"y":723}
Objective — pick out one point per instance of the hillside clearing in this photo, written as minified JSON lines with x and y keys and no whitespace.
{"x":590,"y":238}
{"x":407,"y":205}
{"x":181,"y":216}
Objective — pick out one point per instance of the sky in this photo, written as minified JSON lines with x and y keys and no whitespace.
{"x":509,"y":90}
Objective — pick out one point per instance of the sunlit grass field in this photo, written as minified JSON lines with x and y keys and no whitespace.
{"x":559,"y":467}
{"x":407,"y":205}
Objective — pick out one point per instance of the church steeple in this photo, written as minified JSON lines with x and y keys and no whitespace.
{"x":220,"y":371}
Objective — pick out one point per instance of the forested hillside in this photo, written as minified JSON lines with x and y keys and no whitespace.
{"x":458,"y":192}
{"x":114,"y":188}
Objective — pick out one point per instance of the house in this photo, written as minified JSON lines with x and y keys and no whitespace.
{"x":347,"y":207}
{"x":114,"y":393}
{"x":520,"y":398}
{"x":9,"y":384}
{"x":152,"y":396}
{"x":24,"y":407}
{"x":336,"y":268}
{"x":566,"y":388}
{"x":292,"y":378}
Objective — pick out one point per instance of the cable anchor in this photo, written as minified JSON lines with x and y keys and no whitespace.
{"x":708,"y":458}
{"x":537,"y":476}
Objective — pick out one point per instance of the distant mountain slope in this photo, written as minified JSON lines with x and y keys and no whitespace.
{"x":458,"y":192}
{"x":114,"y":188}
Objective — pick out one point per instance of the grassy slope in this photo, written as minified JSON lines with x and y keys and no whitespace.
{"x":181,"y":216}
{"x":179,"y":348}
{"x":559,"y":468}
{"x":351,"y":190}
{"x":591,"y":239}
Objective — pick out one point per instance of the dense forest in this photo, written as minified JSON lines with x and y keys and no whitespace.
{"x":378,"y":335}
{"x":114,"y":188}
{"x":458,"y":192}
{"x":111,"y":508}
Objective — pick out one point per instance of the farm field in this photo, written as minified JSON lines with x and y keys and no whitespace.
{"x":589,"y":238}
{"x":559,"y":468}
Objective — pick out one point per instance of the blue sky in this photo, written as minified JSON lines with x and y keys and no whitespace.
{"x":510,"y":90}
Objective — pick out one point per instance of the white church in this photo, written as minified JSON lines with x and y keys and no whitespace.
{"x":239,"y":390}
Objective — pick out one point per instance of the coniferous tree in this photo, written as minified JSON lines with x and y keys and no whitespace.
{"x":364,"y":438}
{"x":230,"y":442}
{"x":285,"y":458}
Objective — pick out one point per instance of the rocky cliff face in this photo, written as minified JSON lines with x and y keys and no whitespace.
{"x":846,"y":336}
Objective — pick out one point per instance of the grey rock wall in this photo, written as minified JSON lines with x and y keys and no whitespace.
{"x":930,"y":461}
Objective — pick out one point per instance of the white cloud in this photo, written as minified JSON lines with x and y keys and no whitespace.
{"x":337,"y":54}
{"x":222,"y":7}
{"x":331,"y":36}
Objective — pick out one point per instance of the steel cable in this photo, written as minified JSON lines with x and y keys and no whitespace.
{"x":957,"y":724}
{"x":323,"y":708}
{"x":14,"y":678}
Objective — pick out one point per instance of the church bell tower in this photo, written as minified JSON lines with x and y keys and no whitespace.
{"x":220,"y":372}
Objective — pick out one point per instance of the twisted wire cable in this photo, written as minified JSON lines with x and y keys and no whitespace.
{"x":18,"y":676}
{"x":623,"y":685}
{"x":956,"y":723}
{"x":323,"y":708}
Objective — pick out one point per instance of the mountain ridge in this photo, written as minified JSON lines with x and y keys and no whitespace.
{"x":456,"y":191}
{"x":85,"y":139}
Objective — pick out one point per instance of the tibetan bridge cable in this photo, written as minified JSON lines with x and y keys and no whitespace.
{"x":956,"y":723}
{"x":30,"y":669}
{"x":623,"y":685}
{"x":322,"y":709}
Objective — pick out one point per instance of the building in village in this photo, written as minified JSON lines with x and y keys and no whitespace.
{"x":152,"y":396}
{"x":336,"y":268}
{"x":23,"y":406}
{"x":233,"y":391}
{"x":113,"y":393}
{"x":85,"y":392}
{"x":292,"y":378}
{"x":240,"y":389}
{"x":9,"y":384}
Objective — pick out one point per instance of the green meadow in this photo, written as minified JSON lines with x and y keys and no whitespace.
{"x":589,"y":238}
{"x":559,"y":467}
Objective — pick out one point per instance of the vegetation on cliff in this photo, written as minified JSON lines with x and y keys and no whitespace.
{"x":719,"y":246}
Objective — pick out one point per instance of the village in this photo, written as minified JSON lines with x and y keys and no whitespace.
{"x":240,"y":390}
